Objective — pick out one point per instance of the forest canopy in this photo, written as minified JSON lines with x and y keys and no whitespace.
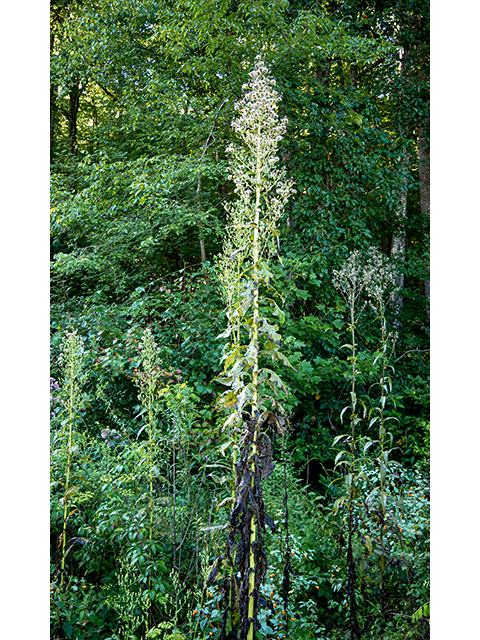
{"x":240,"y":300}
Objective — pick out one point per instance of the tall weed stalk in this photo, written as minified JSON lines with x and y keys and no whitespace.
{"x":168,"y":462}
{"x":148,"y":376}
{"x":71,"y":359}
{"x":262,"y":191}
{"x":380,"y":288}
{"x":363,"y":279}
{"x":350,"y":281}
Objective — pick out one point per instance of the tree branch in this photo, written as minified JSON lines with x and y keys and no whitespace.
{"x":370,"y":68}
{"x":109,"y":93}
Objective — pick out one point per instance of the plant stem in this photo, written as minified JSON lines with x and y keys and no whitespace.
{"x":355,"y":630}
{"x":69,"y":462}
{"x":383,"y":395}
{"x":253,"y":534}
{"x":150,"y":451}
{"x":150,"y":477}
{"x":174,"y":498}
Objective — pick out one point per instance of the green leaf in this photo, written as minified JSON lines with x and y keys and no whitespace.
{"x":215,"y":527}
{"x":225,"y":445}
{"x":72,"y":491}
{"x":278,"y":312}
{"x":245,"y":396}
{"x":338,"y":504}
{"x":225,"y":334}
{"x":367,"y":446}
{"x":340,"y":455}
{"x":273,"y":379}
{"x":421,"y":612}
{"x":251,"y":354}
{"x":343,"y":411}
{"x":228,"y":400}
{"x":224,"y":503}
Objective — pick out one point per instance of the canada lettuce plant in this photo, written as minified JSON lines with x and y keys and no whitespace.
{"x":379,"y":289}
{"x":71,"y":358}
{"x":261,"y":190}
{"x":148,"y":375}
{"x":351,"y":281}
{"x":175,"y":484}
{"x":366,"y":280}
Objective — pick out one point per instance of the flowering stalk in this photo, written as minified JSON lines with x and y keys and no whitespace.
{"x":148,"y":374}
{"x":262,"y":191}
{"x":351,"y":281}
{"x":72,"y":359}
{"x":383,"y":280}
{"x":381,"y":284}
{"x":357,"y":279}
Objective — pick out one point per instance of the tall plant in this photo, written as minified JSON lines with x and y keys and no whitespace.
{"x":261,"y":190}
{"x":148,"y":375}
{"x":363,"y":279}
{"x":379,"y":288}
{"x":71,"y":360}
{"x":351,"y":281}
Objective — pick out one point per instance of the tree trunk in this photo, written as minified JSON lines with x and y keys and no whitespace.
{"x":74,"y":105}
{"x":398,"y":247}
{"x":354,"y":74}
{"x":424,"y":180}
{"x":53,"y":117}
{"x":423,"y":137}
{"x":424,"y":168}
{"x":399,"y":238}
{"x":53,"y":103}
{"x":201,"y":232}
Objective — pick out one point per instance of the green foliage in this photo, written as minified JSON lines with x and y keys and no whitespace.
{"x":420,"y":613}
{"x":244,"y":265}
{"x":130,"y":605}
{"x":142,"y":97}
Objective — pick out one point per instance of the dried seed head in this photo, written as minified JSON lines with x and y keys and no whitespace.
{"x":253,"y":164}
{"x":371,"y":274}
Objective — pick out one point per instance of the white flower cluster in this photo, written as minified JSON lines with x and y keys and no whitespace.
{"x":371,"y":273}
{"x":149,"y":365}
{"x":382,"y":279}
{"x":259,"y":183}
{"x":71,"y":361}
{"x":351,"y":279}
{"x":257,"y":123}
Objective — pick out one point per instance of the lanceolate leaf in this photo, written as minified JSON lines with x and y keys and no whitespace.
{"x":273,"y":379}
{"x":251,"y":355}
{"x":225,"y":334}
{"x":245,"y":395}
{"x":421,"y":612}
{"x":72,"y":491}
{"x":225,"y":445}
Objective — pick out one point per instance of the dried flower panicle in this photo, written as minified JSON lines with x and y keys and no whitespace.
{"x":351,"y":279}
{"x":257,"y":123}
{"x":148,"y":372}
{"x":253,"y":162}
{"x":382,"y":278}
{"x":71,"y":363}
{"x":369,"y":274}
